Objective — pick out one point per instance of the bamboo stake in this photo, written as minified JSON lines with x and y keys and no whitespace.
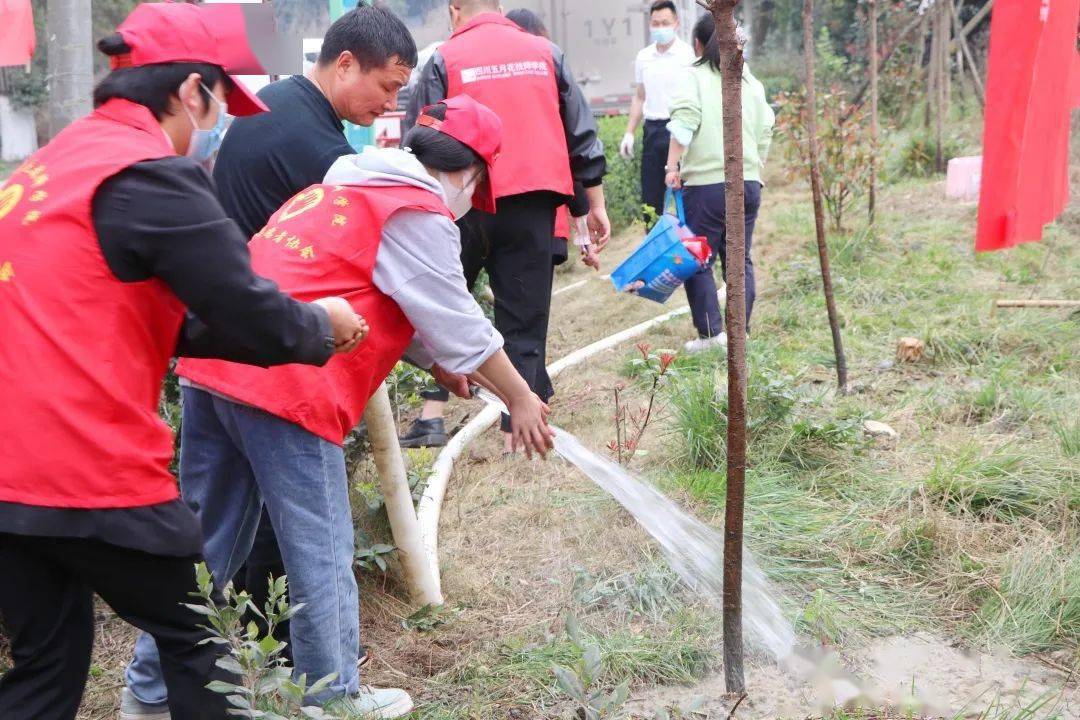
{"x":815,"y":184}
{"x":965,"y":50}
{"x":873,"y":52}
{"x":382,"y":431}
{"x":731,"y":72}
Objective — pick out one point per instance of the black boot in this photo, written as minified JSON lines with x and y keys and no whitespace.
{"x":424,"y":433}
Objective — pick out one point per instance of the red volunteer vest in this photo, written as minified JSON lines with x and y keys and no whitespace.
{"x":323,"y":243}
{"x":512,"y":72}
{"x":82,"y":354}
{"x":562,"y":222}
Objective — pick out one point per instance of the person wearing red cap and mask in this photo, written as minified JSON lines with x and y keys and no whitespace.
{"x":107,"y":235}
{"x":550,"y":141}
{"x":380,"y":230}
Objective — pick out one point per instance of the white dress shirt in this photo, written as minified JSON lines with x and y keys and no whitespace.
{"x":660,"y":73}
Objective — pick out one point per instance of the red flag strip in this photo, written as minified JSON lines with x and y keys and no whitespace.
{"x":16,"y":32}
{"x":1033,"y":84}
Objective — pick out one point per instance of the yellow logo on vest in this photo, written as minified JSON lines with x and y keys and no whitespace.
{"x":303,"y":202}
{"x":9,"y":198}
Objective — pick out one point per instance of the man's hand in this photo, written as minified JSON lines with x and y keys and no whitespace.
{"x":454,"y":382}
{"x":599,"y":227}
{"x":528,"y":417}
{"x":349,"y":328}
{"x":626,"y":147}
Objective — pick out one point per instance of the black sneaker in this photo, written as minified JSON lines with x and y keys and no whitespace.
{"x":424,"y":433}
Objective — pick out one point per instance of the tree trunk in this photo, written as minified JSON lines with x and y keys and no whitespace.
{"x":815,"y":186}
{"x":763,"y":22}
{"x":731,"y":60}
{"x":931,"y":72}
{"x":70,"y":61}
{"x":941,"y":84}
{"x":873,"y":53}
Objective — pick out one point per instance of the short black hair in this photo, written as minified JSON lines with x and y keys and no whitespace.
{"x":705,"y":33}
{"x":437,"y":150}
{"x":663,"y":5}
{"x":151,"y":85}
{"x":528,"y":21}
{"x":373,"y":35}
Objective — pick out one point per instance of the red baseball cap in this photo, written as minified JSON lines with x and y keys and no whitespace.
{"x":168,"y":32}
{"x":478,"y":127}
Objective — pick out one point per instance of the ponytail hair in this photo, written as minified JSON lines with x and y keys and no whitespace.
{"x":705,"y":35}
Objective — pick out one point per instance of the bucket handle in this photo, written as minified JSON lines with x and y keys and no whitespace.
{"x":676,"y":196}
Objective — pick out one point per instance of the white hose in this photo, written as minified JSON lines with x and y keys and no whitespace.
{"x":430,"y":507}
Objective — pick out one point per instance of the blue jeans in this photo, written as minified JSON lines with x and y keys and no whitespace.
{"x":705,"y":214}
{"x":233,"y":458}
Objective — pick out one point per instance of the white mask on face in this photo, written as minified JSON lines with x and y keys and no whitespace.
{"x":459,"y":200}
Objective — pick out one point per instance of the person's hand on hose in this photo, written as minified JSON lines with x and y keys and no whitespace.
{"x":528,"y":420}
{"x":626,"y":147}
{"x":349,"y":328}
{"x":454,"y":382}
{"x":599,"y":227}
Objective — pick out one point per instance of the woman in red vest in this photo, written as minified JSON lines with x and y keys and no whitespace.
{"x":107,"y":235}
{"x":379,"y":231}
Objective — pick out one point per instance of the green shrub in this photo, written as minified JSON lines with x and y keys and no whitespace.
{"x":622,"y":184}
{"x":917,"y":155}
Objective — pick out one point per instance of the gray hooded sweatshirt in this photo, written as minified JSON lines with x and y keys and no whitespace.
{"x":419,"y":266}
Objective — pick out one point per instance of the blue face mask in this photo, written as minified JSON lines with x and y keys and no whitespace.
{"x":663,"y":35}
{"x":204,"y":143}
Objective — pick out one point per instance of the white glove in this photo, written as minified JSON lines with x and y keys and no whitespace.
{"x":626,"y":147}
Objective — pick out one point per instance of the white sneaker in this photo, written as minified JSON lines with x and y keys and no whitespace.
{"x":132,"y":709}
{"x":703,"y":344}
{"x":373,"y":704}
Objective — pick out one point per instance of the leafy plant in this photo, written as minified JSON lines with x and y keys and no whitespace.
{"x":622,"y":184}
{"x":842,"y":139}
{"x":581,"y":684}
{"x":630,"y":425}
{"x":918,"y":156}
{"x":370,"y":558}
{"x":263,"y":686}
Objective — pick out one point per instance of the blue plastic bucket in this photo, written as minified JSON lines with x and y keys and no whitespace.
{"x":662,"y":262}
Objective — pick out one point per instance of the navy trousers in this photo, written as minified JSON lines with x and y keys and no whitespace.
{"x":705,"y":216}
{"x":654,"y":152}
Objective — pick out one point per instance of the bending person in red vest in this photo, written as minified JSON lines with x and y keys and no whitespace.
{"x":380,"y":232}
{"x":107,"y":235}
{"x":550,"y":141}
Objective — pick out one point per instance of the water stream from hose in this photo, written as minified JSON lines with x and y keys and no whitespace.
{"x":694,"y":550}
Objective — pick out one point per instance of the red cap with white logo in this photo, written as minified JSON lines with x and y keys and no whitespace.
{"x":170,"y":32}
{"x":477,"y":126}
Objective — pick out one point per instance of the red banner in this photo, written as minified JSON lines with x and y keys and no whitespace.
{"x":1033,"y":84}
{"x":17,"y":37}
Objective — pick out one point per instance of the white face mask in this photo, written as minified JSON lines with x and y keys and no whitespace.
{"x":459,"y":200}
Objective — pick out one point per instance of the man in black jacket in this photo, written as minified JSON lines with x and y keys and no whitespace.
{"x":550,"y":142}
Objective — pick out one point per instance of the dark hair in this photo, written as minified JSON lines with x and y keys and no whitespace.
{"x":151,"y":85}
{"x":437,"y":150}
{"x":663,"y":5}
{"x":374,"y":36}
{"x":705,"y":33}
{"x":528,"y":21}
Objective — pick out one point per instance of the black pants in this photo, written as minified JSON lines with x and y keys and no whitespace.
{"x":654,"y":152}
{"x":264,"y":561}
{"x":46,"y":603}
{"x":515,"y":247}
{"x":705,"y":216}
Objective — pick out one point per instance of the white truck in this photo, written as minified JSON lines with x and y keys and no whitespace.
{"x":600,"y":37}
